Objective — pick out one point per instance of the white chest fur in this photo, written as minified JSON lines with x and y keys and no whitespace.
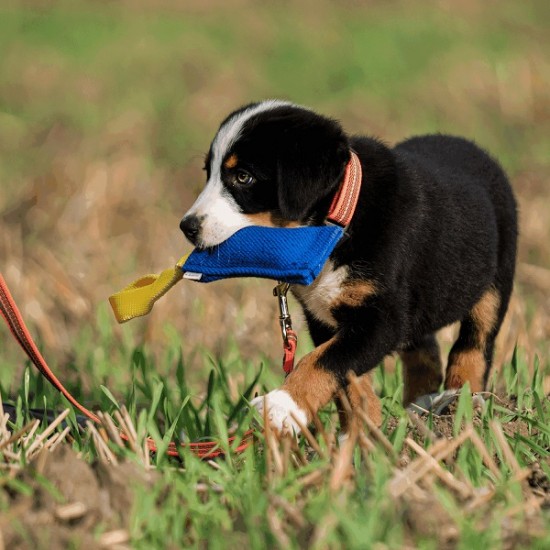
{"x":318,"y":297}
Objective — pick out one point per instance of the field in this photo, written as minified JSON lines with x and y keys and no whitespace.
{"x":106,"y":110}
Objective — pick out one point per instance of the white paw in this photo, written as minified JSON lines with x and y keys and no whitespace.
{"x":281,"y":409}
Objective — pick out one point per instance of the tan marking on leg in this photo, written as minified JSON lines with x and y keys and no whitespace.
{"x":310,"y":385}
{"x":466,"y":366}
{"x":355,"y":398}
{"x":485,"y":314}
{"x":269,"y":219}
{"x":422,"y":373}
{"x":469,"y":365}
{"x":231,"y":161}
{"x":354,"y":293}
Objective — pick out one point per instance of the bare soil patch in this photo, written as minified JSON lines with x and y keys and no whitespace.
{"x":70,"y":503}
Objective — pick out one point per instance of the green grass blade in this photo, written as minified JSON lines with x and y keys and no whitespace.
{"x":110,"y":396}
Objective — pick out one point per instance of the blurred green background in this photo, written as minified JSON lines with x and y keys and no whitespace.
{"x":106,"y":109}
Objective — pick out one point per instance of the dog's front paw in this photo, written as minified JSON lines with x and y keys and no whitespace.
{"x":281,"y":411}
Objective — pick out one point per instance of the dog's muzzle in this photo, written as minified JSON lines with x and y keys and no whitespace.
{"x":191,"y":227}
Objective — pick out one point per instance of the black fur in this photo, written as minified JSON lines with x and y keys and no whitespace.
{"x":298,"y":158}
{"x":435,"y":228}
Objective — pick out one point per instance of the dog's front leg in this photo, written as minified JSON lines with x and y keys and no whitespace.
{"x":357,"y":347}
{"x":306,"y":389}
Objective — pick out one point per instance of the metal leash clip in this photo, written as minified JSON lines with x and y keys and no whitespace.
{"x":285,"y":321}
{"x":290,"y":339}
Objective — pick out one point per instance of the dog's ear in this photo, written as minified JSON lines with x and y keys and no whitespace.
{"x":311,"y":165}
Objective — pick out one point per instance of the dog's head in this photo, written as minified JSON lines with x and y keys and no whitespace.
{"x":271,"y":163}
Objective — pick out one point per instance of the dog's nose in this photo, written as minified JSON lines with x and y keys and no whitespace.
{"x":191,"y":225}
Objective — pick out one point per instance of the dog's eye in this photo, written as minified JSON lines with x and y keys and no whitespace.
{"x":243,"y":178}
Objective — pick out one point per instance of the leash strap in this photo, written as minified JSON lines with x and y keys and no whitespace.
{"x":344,"y":202}
{"x":289,"y":349}
{"x":17,"y":326}
{"x":11,"y":314}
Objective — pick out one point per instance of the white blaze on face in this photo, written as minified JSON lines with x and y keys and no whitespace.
{"x":220,"y":214}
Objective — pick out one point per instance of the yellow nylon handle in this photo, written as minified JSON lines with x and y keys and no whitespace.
{"x":138,"y":298}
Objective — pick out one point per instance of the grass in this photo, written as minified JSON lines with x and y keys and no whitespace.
{"x":295,"y":494}
{"x":382,"y":56}
{"x":105,"y":111}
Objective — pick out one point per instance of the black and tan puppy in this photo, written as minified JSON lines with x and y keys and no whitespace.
{"x":432,"y":241}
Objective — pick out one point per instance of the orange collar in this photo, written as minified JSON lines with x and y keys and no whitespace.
{"x":344,"y":202}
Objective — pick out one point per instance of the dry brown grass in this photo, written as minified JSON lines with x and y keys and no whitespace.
{"x":104,"y":208}
{"x":104,"y":223}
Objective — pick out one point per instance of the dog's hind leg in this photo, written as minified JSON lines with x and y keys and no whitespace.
{"x":422,"y":368}
{"x":471,"y":356}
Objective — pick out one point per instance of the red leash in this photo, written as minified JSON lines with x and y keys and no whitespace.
{"x":11,"y":314}
{"x":341,"y":212}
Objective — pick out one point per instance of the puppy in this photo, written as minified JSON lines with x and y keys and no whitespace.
{"x":432,"y":241}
